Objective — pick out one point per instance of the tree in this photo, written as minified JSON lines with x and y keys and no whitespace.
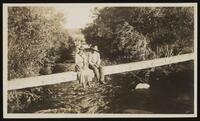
{"x":116,"y":37}
{"x":33,"y":32}
{"x":35,"y":40}
{"x":166,"y":30}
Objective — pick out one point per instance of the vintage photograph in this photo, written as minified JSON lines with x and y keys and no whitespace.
{"x":100,"y":60}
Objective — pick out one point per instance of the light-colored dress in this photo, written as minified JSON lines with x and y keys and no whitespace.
{"x":84,"y":73}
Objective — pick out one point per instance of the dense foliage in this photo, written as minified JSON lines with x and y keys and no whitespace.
{"x":35,"y":38}
{"x":137,"y":31}
{"x":36,"y":43}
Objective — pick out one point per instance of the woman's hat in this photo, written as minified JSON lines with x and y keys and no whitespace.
{"x":95,"y":48}
{"x":86,"y":46}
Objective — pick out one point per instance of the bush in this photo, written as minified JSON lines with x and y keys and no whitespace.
{"x":35,"y":37}
{"x":36,"y":42}
{"x":21,"y":100}
{"x":63,"y":67}
{"x":135,"y":32}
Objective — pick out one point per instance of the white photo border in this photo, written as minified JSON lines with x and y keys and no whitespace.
{"x":29,"y":115}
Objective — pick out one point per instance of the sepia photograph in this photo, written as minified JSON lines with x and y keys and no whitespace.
{"x":99,"y":60}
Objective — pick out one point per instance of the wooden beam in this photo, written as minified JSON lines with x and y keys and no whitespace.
{"x":147,"y":64}
{"x":41,"y":80}
{"x":71,"y":76}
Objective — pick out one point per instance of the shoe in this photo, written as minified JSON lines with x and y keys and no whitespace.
{"x":88,"y":84}
{"x":102,"y":82}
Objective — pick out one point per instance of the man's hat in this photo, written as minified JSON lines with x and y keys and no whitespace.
{"x":81,"y":48}
{"x":95,"y":48}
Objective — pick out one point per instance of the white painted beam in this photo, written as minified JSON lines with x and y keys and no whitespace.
{"x":71,"y":76}
{"x":41,"y":80}
{"x":147,"y":64}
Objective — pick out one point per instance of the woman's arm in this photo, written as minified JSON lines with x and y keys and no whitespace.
{"x":78,"y":61}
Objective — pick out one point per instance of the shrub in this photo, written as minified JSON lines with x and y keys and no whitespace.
{"x":36,"y":41}
{"x":35,"y":37}
{"x":137,"y":31}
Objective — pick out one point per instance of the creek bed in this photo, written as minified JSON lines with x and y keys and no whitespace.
{"x":116,"y":96}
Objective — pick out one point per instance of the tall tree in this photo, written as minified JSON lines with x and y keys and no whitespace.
{"x":33,"y":32}
{"x":154,"y":28}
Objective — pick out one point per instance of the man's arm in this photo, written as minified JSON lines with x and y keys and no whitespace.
{"x":98,"y":60}
{"x":90,"y":59}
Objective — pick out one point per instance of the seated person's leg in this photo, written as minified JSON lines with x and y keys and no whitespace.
{"x":83,"y":82}
{"x":101,"y":73}
{"x":96,"y":71}
{"x":79,"y":77}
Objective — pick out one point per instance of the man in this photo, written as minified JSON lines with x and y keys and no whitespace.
{"x":94,"y":64}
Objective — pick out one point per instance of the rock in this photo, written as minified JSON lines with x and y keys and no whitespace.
{"x":142,"y":86}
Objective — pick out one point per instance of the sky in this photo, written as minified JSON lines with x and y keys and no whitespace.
{"x":76,"y":17}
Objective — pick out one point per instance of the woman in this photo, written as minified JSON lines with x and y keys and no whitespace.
{"x":82,"y":67}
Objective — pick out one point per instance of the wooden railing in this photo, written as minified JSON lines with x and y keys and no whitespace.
{"x":71,"y":76}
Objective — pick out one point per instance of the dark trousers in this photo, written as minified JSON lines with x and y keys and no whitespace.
{"x":98,"y":71}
